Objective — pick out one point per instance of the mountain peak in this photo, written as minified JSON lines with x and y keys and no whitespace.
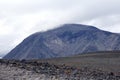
{"x":76,"y":27}
{"x":66,"y":40}
{"x":71,"y":28}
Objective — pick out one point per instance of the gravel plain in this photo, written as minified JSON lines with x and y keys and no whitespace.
{"x":35,"y":70}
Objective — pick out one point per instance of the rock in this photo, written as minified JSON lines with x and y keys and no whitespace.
{"x":67,"y":40}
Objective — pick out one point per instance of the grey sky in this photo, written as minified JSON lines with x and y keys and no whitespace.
{"x":20,"y":18}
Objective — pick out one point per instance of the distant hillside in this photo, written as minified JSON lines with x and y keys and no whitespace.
{"x":107,"y":60}
{"x":67,"y":40}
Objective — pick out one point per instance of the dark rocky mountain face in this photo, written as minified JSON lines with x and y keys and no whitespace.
{"x":67,"y":40}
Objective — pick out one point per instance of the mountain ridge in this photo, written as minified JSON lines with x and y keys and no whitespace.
{"x":66,"y":40}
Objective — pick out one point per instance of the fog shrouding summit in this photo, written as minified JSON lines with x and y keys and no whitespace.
{"x":20,"y":18}
{"x":67,"y":40}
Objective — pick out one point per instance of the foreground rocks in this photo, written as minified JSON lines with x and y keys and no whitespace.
{"x":34,"y":70}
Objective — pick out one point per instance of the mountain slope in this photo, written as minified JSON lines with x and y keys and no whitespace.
{"x":68,"y":39}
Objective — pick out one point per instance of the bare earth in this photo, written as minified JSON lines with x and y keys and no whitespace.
{"x":102,"y":66}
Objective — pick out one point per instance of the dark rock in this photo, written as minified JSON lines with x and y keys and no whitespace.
{"x":67,"y":40}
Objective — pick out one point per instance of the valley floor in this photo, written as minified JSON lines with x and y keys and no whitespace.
{"x":33,"y":70}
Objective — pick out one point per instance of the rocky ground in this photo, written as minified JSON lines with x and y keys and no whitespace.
{"x":33,"y":70}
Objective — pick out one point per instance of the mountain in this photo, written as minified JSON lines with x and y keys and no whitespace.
{"x":67,"y":40}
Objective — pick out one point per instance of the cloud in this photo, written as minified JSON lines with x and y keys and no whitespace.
{"x":20,"y":18}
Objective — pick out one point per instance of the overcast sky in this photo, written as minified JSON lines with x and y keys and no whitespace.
{"x":20,"y":18}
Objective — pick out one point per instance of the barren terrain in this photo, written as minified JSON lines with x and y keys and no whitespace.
{"x":92,"y":66}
